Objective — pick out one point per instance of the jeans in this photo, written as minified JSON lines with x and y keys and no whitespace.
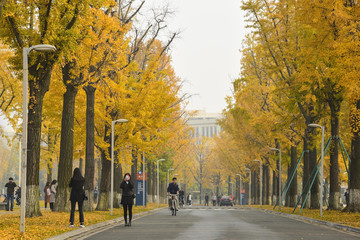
{"x":9,"y":197}
{"x":126,"y":207}
{"x":81,"y":213}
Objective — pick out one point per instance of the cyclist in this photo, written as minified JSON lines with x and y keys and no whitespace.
{"x":173,"y":188}
{"x":181,"y":196}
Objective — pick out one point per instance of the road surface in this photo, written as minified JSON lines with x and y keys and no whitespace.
{"x":220,"y":223}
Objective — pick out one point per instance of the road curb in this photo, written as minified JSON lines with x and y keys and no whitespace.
{"x":311,"y":220}
{"x":83,"y":233}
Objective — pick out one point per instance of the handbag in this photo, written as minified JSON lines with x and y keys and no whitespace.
{"x":84,"y":196}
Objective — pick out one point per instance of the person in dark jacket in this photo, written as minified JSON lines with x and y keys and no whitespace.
{"x":127,"y":198}
{"x":10,"y":194}
{"x":77,"y":195}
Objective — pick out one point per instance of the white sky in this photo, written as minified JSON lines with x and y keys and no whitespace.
{"x":207,"y":53}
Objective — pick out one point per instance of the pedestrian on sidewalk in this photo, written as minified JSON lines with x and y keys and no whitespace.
{"x":127,"y":198}
{"x":53,"y":186}
{"x":214,"y":200}
{"x":347,"y":198}
{"x":189,"y":199}
{"x":47,"y":193}
{"x":77,"y":195}
{"x":206,"y":199}
{"x":10,"y":194}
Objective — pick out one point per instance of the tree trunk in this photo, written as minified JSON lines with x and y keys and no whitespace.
{"x":265,"y":184}
{"x":149,"y":181}
{"x":315,"y":190}
{"x":134,"y":167}
{"x":293,"y":186}
{"x":62,"y":202}
{"x":103,"y":203}
{"x":355,"y":159}
{"x":275,"y":188}
{"x":154,"y":182}
{"x":306,"y":171}
{"x":334,"y":198}
{"x":90,"y":148}
{"x":50,"y":161}
{"x":33,"y":154}
{"x":118,"y":176}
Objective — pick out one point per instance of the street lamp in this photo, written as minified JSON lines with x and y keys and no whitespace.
{"x":260,"y":181}
{"x":240,"y":188}
{"x":247,"y":169}
{"x":19,"y":135}
{"x":321,"y":164}
{"x":170,"y":169}
{"x":278,"y":150}
{"x":158,"y":185}
{"x":26,"y":52}
{"x":112,"y":161}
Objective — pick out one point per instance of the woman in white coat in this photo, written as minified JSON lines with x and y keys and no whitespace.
{"x":53,"y":194}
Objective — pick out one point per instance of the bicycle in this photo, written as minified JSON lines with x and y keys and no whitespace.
{"x":173,"y":204}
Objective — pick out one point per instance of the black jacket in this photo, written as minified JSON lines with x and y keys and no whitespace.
{"x":10,"y":187}
{"x":127,"y":188}
{"x":77,"y":190}
{"x":173,"y":188}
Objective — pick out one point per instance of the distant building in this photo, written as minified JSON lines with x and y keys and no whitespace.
{"x":205,"y":124}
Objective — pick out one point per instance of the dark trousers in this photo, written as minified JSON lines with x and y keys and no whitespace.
{"x":126,"y":207}
{"x":45,"y":204}
{"x":206,"y":202}
{"x":81,"y":213}
{"x":52,"y":206}
{"x":9,"y":199}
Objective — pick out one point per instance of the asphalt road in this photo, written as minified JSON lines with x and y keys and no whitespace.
{"x":220,"y":223}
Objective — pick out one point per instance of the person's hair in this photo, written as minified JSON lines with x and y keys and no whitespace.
{"x":11,"y":178}
{"x":47,"y":184}
{"x":127,"y":174}
{"x":174,"y":178}
{"x":77,"y":175}
{"x":53,"y":182}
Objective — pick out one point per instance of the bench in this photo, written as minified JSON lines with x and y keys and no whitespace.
{"x":2,"y":206}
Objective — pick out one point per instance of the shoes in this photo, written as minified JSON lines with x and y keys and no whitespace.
{"x":71,"y":225}
{"x":126,"y":224}
{"x":129,"y":225}
{"x":82,"y":225}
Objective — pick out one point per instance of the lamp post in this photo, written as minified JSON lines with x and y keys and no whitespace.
{"x":260,"y":181}
{"x":279,"y":151}
{"x":158,"y":185}
{"x":19,"y":134}
{"x":170,"y":169}
{"x":240,"y":188}
{"x":26,"y":52}
{"x":112,"y":162}
{"x":321,"y":164}
{"x":247,"y":169}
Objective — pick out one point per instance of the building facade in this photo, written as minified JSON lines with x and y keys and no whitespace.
{"x":205,"y":125}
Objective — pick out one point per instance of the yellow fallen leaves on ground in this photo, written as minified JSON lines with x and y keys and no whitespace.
{"x":335,"y":216}
{"x":55,"y":223}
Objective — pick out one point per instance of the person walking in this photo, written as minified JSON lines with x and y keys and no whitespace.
{"x":47,"y":193}
{"x":347,"y":198}
{"x":206,"y":199}
{"x":10,"y":194}
{"x":214,"y":200}
{"x":127,"y":198}
{"x":189,"y":199}
{"x":77,"y":195}
{"x":53,"y":186}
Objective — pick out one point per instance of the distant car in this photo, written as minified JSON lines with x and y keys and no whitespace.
{"x":226,"y":201}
